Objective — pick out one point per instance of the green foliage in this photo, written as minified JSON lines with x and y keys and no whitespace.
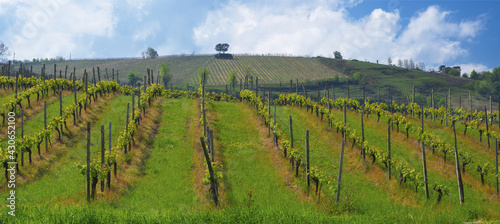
{"x":150,"y":53}
{"x":337,"y":55}
{"x":165,"y":74}
{"x":133,"y":78}
{"x":454,"y":72}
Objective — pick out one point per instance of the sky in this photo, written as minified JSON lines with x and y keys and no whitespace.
{"x":450,"y":32}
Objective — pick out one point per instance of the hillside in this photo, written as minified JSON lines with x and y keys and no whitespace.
{"x":276,"y":71}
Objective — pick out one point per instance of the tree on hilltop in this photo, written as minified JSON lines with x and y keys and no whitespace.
{"x":149,"y":53}
{"x":222,"y":47}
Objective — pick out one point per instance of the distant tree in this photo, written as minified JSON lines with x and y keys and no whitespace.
{"x":222,"y":47}
{"x":406,"y":64}
{"x":400,"y":63}
{"x":465,"y":75}
{"x":133,"y":78}
{"x":421,"y":66}
{"x":202,"y":71}
{"x":389,"y":61}
{"x":412,"y":64}
{"x":337,"y":55}
{"x":454,"y":72}
{"x":442,"y":68}
{"x":231,"y":79}
{"x":150,"y":53}
{"x":165,"y":74}
{"x":474,"y":75}
{"x":4,"y":51}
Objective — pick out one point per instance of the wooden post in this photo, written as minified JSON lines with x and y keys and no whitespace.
{"x":446,"y":109}
{"x":486,"y":122}
{"x":203,"y":104}
{"x":363,"y":132}
{"x":257,"y":85}
{"x":213,"y":184}
{"x":389,"y":150}
{"x":109,"y":172}
{"x":308,"y":164}
{"x":22,"y":135}
{"x":102,"y":155}
{"x":88,"y":161}
{"x":274,"y":130}
{"x":457,"y":167}
{"x":66,"y":72}
{"x":423,"y":160}
{"x":269,"y":113}
{"x":45,"y":125}
{"x":291,"y":133}
{"x":339,"y":180}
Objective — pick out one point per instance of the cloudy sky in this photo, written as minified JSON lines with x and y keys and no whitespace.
{"x":447,"y":32}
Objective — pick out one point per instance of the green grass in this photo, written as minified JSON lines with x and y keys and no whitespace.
{"x":247,"y":165}
{"x":166,"y":183}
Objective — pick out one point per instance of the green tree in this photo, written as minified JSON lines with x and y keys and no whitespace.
{"x":133,"y":78}
{"x":337,"y":55}
{"x":231,"y":79}
{"x":202,"y":71}
{"x":150,"y":53}
{"x":454,"y":72}
{"x":389,"y":61}
{"x":474,"y":75}
{"x":165,"y":74}
{"x":222,"y":47}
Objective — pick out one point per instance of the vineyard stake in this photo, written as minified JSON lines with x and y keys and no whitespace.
{"x":210,"y":171}
{"x":433,"y":107}
{"x":60,"y":111}
{"x":457,"y":167}
{"x":274,"y":129}
{"x":22,"y":135}
{"x":446,"y":109}
{"x":291,"y":133}
{"x":423,"y":159}
{"x":308,"y":164}
{"x":340,"y":168}
{"x":486,"y":121}
{"x":363,"y":133}
{"x":126,"y":125}
{"x":203,"y":105}
{"x":269,"y":113}
{"x":109,"y":172}
{"x":88,"y":161}
{"x":102,"y":154}
{"x":45,"y":124}
{"x":389,"y":150}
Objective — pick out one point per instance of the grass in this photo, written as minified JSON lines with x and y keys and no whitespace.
{"x":165,"y":184}
{"x":248,"y":168}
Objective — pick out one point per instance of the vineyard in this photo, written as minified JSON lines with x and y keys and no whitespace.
{"x":99,"y":152}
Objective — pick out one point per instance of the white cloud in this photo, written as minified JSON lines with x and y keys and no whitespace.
{"x":58,"y":27}
{"x":137,"y":6}
{"x":148,"y":30}
{"x":467,"y":68}
{"x":325,"y":26}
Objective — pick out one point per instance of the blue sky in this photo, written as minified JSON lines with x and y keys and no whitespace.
{"x":464,"y":33}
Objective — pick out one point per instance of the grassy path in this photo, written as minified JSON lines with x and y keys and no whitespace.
{"x":248,"y":167}
{"x":166,"y":184}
